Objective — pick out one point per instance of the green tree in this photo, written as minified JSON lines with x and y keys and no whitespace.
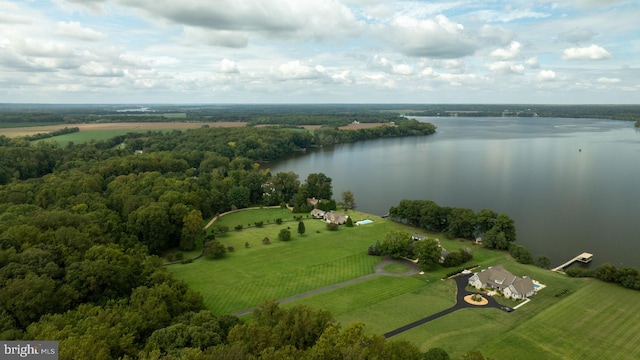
{"x":462,"y":223}
{"x":239,"y":196}
{"x":191,"y":230}
{"x":349,"y":222}
{"x":301,"y":228}
{"x":214,"y":249}
{"x":396,"y":244}
{"x":285,"y":185}
{"x":507,"y":226}
{"x":435,"y":353}
{"x":543,"y":262}
{"x":428,"y":251}
{"x":520,"y":253}
{"x":485,"y":220}
{"x":495,"y":239}
{"x":318,"y":185}
{"x":348,"y":200}
{"x":152,"y":226}
{"x":284,"y":235}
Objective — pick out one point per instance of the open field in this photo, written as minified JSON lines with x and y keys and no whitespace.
{"x":120,"y":128}
{"x":593,"y":320}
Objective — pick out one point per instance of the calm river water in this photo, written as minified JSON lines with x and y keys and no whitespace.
{"x":571,"y":185}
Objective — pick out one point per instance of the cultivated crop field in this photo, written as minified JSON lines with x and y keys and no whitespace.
{"x":593,"y":320}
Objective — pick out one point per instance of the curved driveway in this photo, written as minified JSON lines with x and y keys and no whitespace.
{"x":461,"y":282}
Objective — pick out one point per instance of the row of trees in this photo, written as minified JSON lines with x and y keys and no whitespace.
{"x":497,"y":230}
{"x":627,"y":276}
{"x":400,"y":244}
{"x":40,"y":136}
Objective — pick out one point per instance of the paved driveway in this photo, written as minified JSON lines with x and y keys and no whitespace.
{"x":461,"y":283}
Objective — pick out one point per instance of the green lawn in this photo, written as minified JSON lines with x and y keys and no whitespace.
{"x":88,"y":135}
{"x":593,"y":320}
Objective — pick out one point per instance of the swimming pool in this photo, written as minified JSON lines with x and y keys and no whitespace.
{"x":364,"y":222}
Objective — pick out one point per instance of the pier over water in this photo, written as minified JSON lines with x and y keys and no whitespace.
{"x":585,"y":258}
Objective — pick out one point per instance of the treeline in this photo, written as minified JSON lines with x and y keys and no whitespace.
{"x":497,"y":231}
{"x":613,"y":112}
{"x":400,"y":244}
{"x":31,"y":117}
{"x":40,"y":136}
{"x":80,"y":228}
{"x":627,"y":276}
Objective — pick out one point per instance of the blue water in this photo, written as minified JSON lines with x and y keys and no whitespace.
{"x":571,"y":185}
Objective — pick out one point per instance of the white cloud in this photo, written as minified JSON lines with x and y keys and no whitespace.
{"x":231,"y":39}
{"x":318,"y":20}
{"x":508,"y":53}
{"x":97,"y":69}
{"x":433,"y":38}
{"x":383,"y":64}
{"x":228,"y":67}
{"x":506,"y":67}
{"x":76,"y":30}
{"x":546,"y":75}
{"x":608,"y":80}
{"x":592,"y":52}
{"x":296,"y":70}
{"x":532,"y":63}
{"x":496,"y":35}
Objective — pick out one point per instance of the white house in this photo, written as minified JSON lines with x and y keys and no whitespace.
{"x":498,"y":278}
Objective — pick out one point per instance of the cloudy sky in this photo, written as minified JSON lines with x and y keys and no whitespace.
{"x":319,"y":51}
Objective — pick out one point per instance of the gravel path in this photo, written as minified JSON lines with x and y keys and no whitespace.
{"x":379,"y":271}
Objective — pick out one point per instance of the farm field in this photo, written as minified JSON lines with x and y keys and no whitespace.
{"x":119,"y":128}
{"x":593,"y":320}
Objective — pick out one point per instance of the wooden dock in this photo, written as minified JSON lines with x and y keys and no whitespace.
{"x":585,"y":257}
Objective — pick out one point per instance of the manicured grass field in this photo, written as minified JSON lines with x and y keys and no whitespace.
{"x":592,"y":320}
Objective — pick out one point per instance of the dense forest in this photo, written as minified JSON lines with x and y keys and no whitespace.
{"x":81,"y":228}
{"x":303,"y":114}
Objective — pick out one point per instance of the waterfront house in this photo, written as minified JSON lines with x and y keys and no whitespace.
{"x":498,"y":278}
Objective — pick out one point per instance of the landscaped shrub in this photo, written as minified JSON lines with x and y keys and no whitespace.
{"x":170,"y":257}
{"x":179,"y":256}
{"x":231,"y":249}
{"x":259,"y":223}
{"x":246,"y":244}
{"x":374,"y":250}
{"x":266,"y":241}
{"x":332,"y":227}
{"x":278,"y":221}
{"x":284,"y":235}
{"x":186,"y":261}
{"x":214,"y":249}
{"x":349,"y":222}
{"x":238,"y":227}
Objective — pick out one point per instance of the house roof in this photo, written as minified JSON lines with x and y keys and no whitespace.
{"x":523,"y":285}
{"x":497,"y":276}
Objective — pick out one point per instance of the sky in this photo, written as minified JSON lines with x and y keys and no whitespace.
{"x":320,"y":51}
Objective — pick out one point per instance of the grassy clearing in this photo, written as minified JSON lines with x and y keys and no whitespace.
{"x":249,"y":276}
{"x":593,"y":320}
{"x":87,"y":136}
{"x":395,"y":268}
